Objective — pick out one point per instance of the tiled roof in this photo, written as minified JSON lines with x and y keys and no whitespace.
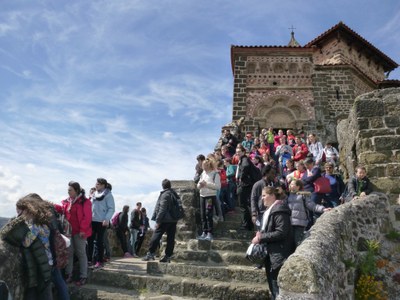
{"x":390,"y":64}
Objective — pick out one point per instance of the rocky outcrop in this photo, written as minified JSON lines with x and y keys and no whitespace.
{"x":11,"y":269}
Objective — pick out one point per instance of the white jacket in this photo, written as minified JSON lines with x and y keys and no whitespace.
{"x":213,"y":183}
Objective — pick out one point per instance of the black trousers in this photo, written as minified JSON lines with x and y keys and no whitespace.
{"x":206,"y":212}
{"x":272,"y":278}
{"x":170,"y":229}
{"x":97,"y":235}
{"x":121,"y":235}
{"x":243,"y":196}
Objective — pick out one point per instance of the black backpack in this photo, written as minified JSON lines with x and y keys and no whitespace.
{"x":255,"y":173}
{"x":176,"y":210}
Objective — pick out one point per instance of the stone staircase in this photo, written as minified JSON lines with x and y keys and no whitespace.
{"x":199,"y":270}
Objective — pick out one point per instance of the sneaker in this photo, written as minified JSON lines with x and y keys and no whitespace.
{"x":135,"y":255}
{"x":68,"y":279}
{"x":209,"y":237}
{"x":81,"y":282}
{"x":165,"y":259}
{"x":202,"y":236}
{"x":127,"y":255}
{"x":98,"y":265}
{"x":149,"y":256}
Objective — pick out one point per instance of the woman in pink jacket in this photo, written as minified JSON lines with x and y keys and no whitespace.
{"x":77,"y":210}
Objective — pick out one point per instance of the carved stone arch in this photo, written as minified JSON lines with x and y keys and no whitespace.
{"x":280,"y":111}
{"x":277,"y":117}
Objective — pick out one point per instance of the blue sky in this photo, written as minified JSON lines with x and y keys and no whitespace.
{"x":133,"y":90}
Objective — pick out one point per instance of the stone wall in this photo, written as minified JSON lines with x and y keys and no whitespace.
{"x":370,"y":136}
{"x":323,"y":265}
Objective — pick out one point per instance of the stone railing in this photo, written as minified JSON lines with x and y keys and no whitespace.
{"x":323,"y":266}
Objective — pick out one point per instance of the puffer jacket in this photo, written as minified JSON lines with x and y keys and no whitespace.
{"x":278,"y":235}
{"x":162,"y":210}
{"x":37,"y":266}
{"x":299,"y":203}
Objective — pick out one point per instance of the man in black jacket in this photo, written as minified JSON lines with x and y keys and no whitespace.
{"x":164,"y":223}
{"x":244,"y":185}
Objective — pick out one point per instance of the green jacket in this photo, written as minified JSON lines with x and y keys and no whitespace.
{"x":36,"y":265}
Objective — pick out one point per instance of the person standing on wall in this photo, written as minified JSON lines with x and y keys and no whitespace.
{"x":145,"y":225}
{"x":165,"y":223}
{"x":135,"y":226}
{"x":103,"y":208}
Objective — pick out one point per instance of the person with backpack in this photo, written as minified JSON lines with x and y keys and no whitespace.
{"x":30,"y":232}
{"x":257,"y":206}
{"x":120,"y":223}
{"x":134,"y":227}
{"x":77,"y":210}
{"x":246,"y":176}
{"x":208,"y":185}
{"x":165,"y":223}
{"x":300,"y":204}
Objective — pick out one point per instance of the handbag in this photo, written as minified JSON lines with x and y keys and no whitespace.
{"x":322,"y":185}
{"x":256,"y":253}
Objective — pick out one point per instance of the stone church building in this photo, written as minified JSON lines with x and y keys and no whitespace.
{"x":308,"y":87}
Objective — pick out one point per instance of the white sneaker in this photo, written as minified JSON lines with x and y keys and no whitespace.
{"x":209,"y":237}
{"x":202,"y":236}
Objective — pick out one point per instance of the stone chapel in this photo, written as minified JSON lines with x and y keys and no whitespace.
{"x":308,"y":87}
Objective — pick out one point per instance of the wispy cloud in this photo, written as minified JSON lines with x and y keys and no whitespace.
{"x":133,"y":90}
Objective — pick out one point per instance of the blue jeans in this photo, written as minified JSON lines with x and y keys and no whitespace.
{"x":59,"y":283}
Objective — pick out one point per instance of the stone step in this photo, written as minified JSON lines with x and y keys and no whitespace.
{"x":211,"y":257}
{"x":219,"y":273}
{"x":218,"y":245}
{"x":180,"y":286}
{"x":97,"y":292}
{"x":102,"y":292}
{"x":234,"y":234}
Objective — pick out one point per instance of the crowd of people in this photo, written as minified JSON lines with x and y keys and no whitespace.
{"x":281,"y":182}
{"x":81,"y":222}
{"x":274,"y":180}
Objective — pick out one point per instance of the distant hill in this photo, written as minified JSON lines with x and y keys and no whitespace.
{"x":3,"y":221}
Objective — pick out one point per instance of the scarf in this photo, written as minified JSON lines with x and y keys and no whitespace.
{"x":99,"y":196}
{"x":266,"y":215}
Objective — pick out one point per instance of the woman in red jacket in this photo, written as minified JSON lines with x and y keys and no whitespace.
{"x":300,"y":150}
{"x":77,"y":209}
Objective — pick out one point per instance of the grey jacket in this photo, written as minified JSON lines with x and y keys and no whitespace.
{"x":299,"y":204}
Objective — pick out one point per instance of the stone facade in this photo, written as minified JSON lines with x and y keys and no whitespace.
{"x":305,"y":88}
